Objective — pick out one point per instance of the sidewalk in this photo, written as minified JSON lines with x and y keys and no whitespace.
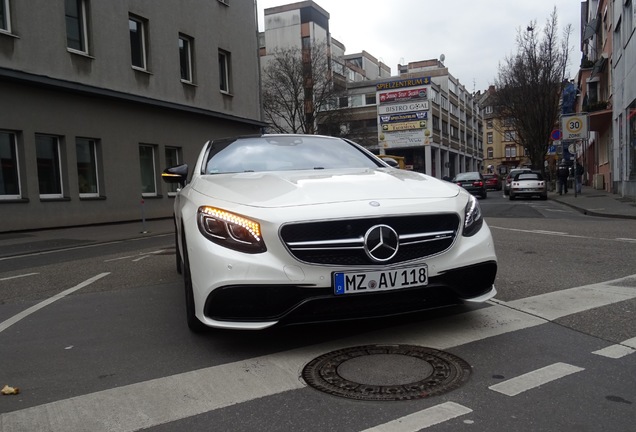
{"x":594,"y":202}
{"x":590,"y":202}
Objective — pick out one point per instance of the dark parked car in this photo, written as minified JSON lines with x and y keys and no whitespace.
{"x":473,"y":182}
{"x":528,"y":184}
{"x":493,"y":181}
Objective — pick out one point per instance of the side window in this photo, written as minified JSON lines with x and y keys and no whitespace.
{"x":87,"y":174}
{"x":47,"y":149}
{"x":137,"y":28}
{"x":225,"y":83}
{"x":76,"y":28}
{"x":9,"y":167}
{"x":148,"y":170}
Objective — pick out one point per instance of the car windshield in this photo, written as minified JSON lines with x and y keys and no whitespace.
{"x":528,"y":176}
{"x":284,"y":153}
{"x":467,"y":176}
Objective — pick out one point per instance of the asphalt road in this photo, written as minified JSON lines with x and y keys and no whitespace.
{"x":96,"y":339}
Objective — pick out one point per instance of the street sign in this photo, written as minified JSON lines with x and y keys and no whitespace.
{"x":555,"y":135}
{"x":574,"y":127}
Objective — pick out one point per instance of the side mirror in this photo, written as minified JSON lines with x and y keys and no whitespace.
{"x":391,"y":162}
{"x":178,"y":174}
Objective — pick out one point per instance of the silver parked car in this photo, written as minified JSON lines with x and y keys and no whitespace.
{"x":528,"y":184}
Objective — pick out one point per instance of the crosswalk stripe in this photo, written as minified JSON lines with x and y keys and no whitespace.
{"x":530,"y":380}
{"x":619,"y":350}
{"x":423,"y":419}
{"x":151,"y":403}
{"x":558,"y":304}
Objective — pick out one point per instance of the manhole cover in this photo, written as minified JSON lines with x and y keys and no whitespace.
{"x":386,"y":372}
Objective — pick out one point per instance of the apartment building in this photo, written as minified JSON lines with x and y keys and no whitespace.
{"x":99,"y":97}
{"x":446,"y":136}
{"x":501,"y":152}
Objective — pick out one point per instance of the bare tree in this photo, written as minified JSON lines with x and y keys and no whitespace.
{"x":298,"y":86}
{"x":529,"y":86}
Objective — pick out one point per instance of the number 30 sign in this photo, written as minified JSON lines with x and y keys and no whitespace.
{"x":574,"y":127}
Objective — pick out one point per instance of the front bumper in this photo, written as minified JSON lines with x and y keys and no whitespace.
{"x":303,"y":304}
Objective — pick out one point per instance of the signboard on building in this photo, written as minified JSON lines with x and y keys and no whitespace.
{"x":403,"y":107}
{"x":409,"y":116}
{"x":403,"y":113}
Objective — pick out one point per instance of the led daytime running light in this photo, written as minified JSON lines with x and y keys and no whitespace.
{"x":253,"y":227}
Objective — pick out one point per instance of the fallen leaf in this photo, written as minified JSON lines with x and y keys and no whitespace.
{"x":6,"y":390}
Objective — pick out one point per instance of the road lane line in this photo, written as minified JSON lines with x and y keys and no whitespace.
{"x":162,"y":400}
{"x":8,"y":323}
{"x":422,"y":419}
{"x":18,"y":276}
{"x":536,"y":378}
{"x":619,"y":350}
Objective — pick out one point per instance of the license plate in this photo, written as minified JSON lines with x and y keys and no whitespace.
{"x":385,"y":280}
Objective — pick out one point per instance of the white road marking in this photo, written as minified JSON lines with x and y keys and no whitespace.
{"x":627,"y":239}
{"x":558,"y":304}
{"x":14,"y":319}
{"x":138,"y":257}
{"x":561,"y":234}
{"x":530,"y":380}
{"x":18,"y":276}
{"x":619,"y":350}
{"x":151,"y":403}
{"x":423,"y":419}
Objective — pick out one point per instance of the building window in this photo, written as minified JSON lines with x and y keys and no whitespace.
{"x":454,"y":132}
{"x":147,"y":167}
{"x":137,"y":29}
{"x":224,"y":71}
{"x":5,"y":17}
{"x":369,"y":99}
{"x":489,"y":138}
{"x":185,"y":58}
{"x":489,"y":109}
{"x":435,"y":123}
{"x":343,"y":102}
{"x":489,"y":124}
{"x":511,"y":151}
{"x":86,"y":150}
{"x":9,"y":168}
{"x":172,"y":160}
{"x":509,"y":135}
{"x":76,"y":31}
{"x":490,"y":153}
{"x":47,"y":150}
{"x":444,"y":128}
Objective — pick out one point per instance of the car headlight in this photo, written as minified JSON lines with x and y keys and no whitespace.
{"x":473,"y":219}
{"x":230,"y":230}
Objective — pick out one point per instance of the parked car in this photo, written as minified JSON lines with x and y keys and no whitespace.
{"x":278,"y":229}
{"x":473,"y":182}
{"x":510,"y":176}
{"x":528,"y":184}
{"x":493,"y":181}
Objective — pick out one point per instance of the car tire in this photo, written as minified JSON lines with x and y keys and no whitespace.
{"x":511,"y":197}
{"x":194,"y":324}
{"x":179,"y":260}
{"x":544,"y":197}
{"x":484,"y":195}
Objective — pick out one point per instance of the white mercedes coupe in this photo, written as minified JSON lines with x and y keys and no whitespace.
{"x":281,"y":229}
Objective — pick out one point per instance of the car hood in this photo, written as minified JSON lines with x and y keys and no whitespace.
{"x":294,"y":188}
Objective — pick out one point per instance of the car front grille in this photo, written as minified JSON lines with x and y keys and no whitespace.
{"x":341,"y":242}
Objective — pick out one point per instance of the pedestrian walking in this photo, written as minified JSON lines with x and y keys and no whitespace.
{"x":562,"y":177}
{"x":578,"y":175}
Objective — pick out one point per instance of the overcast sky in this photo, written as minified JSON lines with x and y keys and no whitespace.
{"x":474,"y":35}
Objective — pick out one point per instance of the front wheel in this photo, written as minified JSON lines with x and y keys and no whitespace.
{"x":511,"y":197}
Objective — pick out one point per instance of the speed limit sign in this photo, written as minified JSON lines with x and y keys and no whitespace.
{"x":574,"y":126}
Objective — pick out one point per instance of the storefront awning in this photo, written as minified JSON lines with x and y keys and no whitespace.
{"x":590,"y":29}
